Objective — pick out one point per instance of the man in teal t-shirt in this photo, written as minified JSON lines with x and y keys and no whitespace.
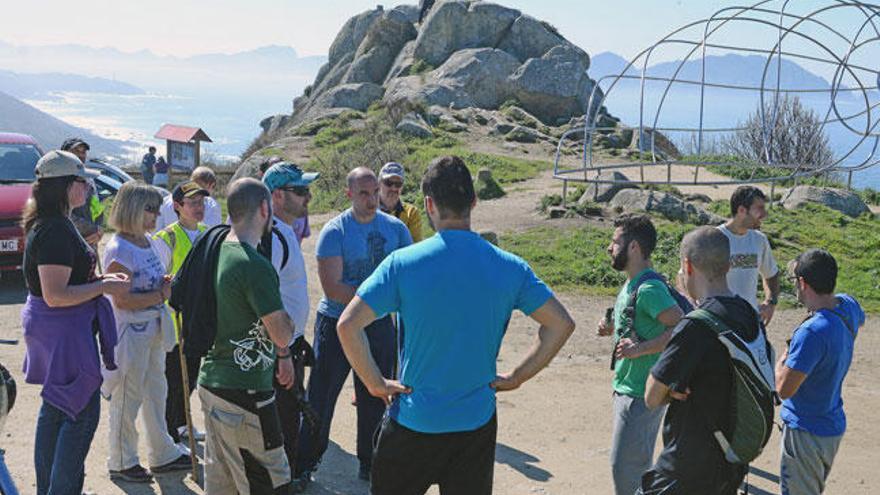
{"x":244,"y":448}
{"x":639,"y":339}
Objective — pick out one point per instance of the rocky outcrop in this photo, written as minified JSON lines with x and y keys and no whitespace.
{"x":604,"y":192}
{"x":665,"y":204}
{"x":846,"y":202}
{"x":414,"y":125}
{"x":464,"y":54}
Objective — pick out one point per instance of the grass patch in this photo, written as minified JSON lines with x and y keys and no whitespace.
{"x":576,"y":260}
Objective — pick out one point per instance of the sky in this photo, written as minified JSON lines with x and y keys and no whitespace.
{"x":187,"y":27}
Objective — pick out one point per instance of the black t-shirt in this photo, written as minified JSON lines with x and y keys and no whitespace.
{"x":696,"y":359}
{"x":55,"y":241}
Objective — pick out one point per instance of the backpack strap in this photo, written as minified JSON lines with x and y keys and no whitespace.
{"x":286,"y":254}
{"x":265,"y":246}
{"x":629,"y":312}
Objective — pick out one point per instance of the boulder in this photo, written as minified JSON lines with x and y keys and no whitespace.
{"x":698,"y":197}
{"x":555,"y":85}
{"x":380,"y":47}
{"x":414,"y":125}
{"x":530,"y":38}
{"x":522,"y":117}
{"x":661,"y":144}
{"x":450,"y":124}
{"x":665,"y":204}
{"x":352,"y":35}
{"x":501,"y":128}
{"x":604,"y":192}
{"x":272,"y":124}
{"x":522,"y":134}
{"x":457,"y":25}
{"x":409,"y":12}
{"x":846,"y":202}
{"x":403,"y":62}
{"x":358,"y":96}
{"x":486,"y":186}
{"x":555,"y":212}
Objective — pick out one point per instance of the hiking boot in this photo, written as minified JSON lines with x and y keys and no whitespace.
{"x":182,"y":463}
{"x":301,"y":482}
{"x":364,"y":472}
{"x":134,"y":474}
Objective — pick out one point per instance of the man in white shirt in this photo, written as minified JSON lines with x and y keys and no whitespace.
{"x":289,"y":186}
{"x":207,"y":180}
{"x":750,"y":252}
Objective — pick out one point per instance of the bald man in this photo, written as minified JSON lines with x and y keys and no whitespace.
{"x":350,"y":247}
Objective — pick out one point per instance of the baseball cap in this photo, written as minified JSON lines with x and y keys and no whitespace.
{"x":58,"y":163}
{"x":391,"y":169}
{"x":187,"y":189}
{"x":287,"y":174}
{"x":72,"y":143}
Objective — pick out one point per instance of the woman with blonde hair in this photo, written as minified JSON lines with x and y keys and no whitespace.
{"x":65,"y":304}
{"x":145,"y":334}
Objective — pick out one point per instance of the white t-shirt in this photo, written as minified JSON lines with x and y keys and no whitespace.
{"x":167,"y":216}
{"x":163,"y":250}
{"x":292,"y":279}
{"x":147,"y":271}
{"x":750,"y":256}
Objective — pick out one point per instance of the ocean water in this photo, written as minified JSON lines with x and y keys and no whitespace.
{"x":231,"y":120}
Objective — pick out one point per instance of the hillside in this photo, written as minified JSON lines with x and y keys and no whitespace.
{"x":32,"y":86}
{"x":17,"y":116}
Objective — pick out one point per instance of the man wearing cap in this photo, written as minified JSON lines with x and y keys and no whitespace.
{"x":390,"y":187}
{"x":289,"y":187}
{"x":172,"y":244}
{"x":301,"y":224}
{"x":350,"y":247}
{"x":88,"y":217}
{"x":207,"y":180}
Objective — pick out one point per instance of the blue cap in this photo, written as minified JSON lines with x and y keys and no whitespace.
{"x":391,"y":169}
{"x":287,"y":174}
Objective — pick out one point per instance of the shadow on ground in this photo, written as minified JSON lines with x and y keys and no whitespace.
{"x":522,"y":462}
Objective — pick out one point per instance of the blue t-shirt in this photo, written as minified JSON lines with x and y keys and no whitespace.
{"x":454,"y":293}
{"x":362,"y":247}
{"x":822,"y":348}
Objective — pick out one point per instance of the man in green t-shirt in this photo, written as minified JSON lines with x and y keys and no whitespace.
{"x":244,"y":448}
{"x":639,"y":339}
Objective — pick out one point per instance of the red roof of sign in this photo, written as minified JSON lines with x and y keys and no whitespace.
{"x":182,"y":134}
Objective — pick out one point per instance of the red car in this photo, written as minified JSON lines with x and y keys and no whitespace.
{"x":19,"y":154}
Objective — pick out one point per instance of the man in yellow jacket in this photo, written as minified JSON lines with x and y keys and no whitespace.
{"x":390,"y":187}
{"x":172,"y":244}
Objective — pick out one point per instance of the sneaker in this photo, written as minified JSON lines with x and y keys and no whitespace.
{"x":182,"y":463}
{"x":301,"y":482}
{"x":135,"y":474}
{"x":364,"y":472}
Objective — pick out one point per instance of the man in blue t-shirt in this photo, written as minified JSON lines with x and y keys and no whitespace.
{"x":454,"y":293}
{"x":810,"y":374}
{"x":350,"y":247}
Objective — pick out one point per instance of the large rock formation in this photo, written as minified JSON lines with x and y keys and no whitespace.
{"x":846,"y":202}
{"x":464,"y":54}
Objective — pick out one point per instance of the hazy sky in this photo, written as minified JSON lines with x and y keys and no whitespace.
{"x":186,"y":27}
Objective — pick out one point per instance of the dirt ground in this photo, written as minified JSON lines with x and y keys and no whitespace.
{"x":554,"y":432}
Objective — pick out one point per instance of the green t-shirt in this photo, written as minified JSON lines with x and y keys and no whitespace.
{"x":630,"y":375}
{"x":243,"y":356}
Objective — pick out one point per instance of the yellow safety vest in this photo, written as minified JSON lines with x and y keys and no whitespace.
{"x":96,"y":207}
{"x":176,"y":239}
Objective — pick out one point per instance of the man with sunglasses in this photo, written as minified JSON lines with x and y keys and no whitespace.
{"x":390,"y":187}
{"x":750,"y":253}
{"x":350,"y":247}
{"x":639,"y":338}
{"x":810,"y":374}
{"x":289,"y":187}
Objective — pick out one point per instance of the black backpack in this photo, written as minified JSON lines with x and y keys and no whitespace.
{"x":629,"y":312}
{"x":265,"y":246}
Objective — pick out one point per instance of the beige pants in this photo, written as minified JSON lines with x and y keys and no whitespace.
{"x":236,"y":460}
{"x":142,"y":389}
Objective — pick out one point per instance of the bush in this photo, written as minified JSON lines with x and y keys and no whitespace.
{"x":420,"y":67}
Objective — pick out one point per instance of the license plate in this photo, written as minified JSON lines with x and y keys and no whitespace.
{"x":9,"y":245}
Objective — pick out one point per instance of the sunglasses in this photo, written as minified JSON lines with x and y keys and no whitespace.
{"x":298,"y":190}
{"x":393,"y":183}
{"x":154,"y":209}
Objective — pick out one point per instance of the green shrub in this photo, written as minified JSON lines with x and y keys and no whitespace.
{"x":420,"y":67}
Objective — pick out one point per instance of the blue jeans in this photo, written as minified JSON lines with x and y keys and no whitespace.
{"x":7,"y":486}
{"x":325,"y":382}
{"x":61,"y":447}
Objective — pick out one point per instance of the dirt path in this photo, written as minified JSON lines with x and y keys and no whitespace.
{"x":553,"y":433}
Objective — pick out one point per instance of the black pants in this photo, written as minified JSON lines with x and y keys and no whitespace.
{"x":289,"y":410}
{"x":175,"y":414}
{"x":407,"y":462}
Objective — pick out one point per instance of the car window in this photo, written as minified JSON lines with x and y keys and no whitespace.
{"x":17,"y":162}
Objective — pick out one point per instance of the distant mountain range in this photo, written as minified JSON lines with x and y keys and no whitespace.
{"x":269,"y":67}
{"x":17,"y":116}
{"x":732,"y":69}
{"x":38,"y":86}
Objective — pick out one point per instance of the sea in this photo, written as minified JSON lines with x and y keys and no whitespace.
{"x":231,"y":120}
